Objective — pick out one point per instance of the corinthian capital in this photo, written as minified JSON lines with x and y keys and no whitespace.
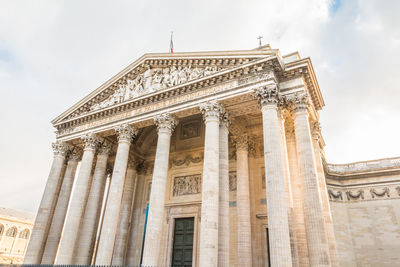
{"x":225,"y":119}
{"x":298,"y":101}
{"x":91,"y":141}
{"x":243,"y":142}
{"x":105,"y":148}
{"x":60,"y":148}
{"x":210,"y":110}
{"x":75,"y":155}
{"x":268,"y":95}
{"x":125,"y":132}
{"x":165,"y":122}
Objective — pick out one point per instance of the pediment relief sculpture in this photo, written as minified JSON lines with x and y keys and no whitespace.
{"x":152,"y":80}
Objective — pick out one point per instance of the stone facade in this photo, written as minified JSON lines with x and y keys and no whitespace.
{"x":15,"y":231}
{"x":225,"y":143}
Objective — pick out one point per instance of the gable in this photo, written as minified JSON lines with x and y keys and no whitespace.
{"x":157,"y":72}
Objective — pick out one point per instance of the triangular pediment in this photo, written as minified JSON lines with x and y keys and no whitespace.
{"x":157,"y":72}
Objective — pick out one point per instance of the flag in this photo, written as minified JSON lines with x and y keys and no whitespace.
{"x":171,"y":44}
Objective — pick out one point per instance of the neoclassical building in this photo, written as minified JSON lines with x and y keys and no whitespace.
{"x":211,"y":159}
{"x":15,"y":231}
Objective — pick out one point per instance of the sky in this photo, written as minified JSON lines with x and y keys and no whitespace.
{"x":54,"y":53}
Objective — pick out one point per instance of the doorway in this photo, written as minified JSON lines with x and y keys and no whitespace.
{"x":182,"y":252}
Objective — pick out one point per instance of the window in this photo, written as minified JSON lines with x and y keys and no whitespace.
{"x":1,"y":229}
{"x":24,"y":234}
{"x":12,"y":232}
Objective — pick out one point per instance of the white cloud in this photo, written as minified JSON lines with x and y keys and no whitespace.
{"x":59,"y":51}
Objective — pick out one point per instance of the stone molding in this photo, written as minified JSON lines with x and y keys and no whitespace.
{"x":165,"y":122}
{"x":363,"y":193}
{"x":91,"y":141}
{"x":125,"y":132}
{"x":363,"y":167}
{"x":60,"y":148}
{"x":211,"y":110}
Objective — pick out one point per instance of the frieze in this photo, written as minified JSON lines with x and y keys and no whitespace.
{"x":187,"y":185}
{"x":186,"y":161}
{"x":365,"y":193}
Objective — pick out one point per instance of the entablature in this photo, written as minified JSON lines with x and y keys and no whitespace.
{"x":227,"y":84}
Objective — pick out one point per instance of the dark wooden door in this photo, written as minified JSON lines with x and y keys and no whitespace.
{"x":183,"y":242}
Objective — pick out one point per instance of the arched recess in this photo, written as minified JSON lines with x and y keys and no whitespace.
{"x":1,"y":229}
{"x":24,"y":234}
{"x":12,"y":232}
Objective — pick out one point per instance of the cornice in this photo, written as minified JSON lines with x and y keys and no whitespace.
{"x":363,"y":168}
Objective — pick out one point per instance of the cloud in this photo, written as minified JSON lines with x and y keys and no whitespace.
{"x":53,"y":53}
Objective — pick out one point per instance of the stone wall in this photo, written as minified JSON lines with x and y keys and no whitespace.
{"x":365,"y":207}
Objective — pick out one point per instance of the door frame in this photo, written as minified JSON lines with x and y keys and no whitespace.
{"x":177,"y":212}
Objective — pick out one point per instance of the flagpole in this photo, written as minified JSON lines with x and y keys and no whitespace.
{"x":171,"y":44}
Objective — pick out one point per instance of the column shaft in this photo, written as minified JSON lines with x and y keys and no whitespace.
{"x":90,"y":222}
{"x":298,"y":199}
{"x":318,"y":250}
{"x":113,"y":207}
{"x":324,"y":197}
{"x":57,"y":224}
{"x":210,"y":188}
{"x":223,"y":231}
{"x":78,"y":202}
{"x":278,"y":226}
{"x":121,"y":239}
{"x":243,"y":204}
{"x":288,"y":189}
{"x":44,"y":215}
{"x":152,"y":244}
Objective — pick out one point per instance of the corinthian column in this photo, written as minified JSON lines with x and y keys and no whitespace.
{"x":55,"y":231}
{"x":223,"y":226}
{"x":121,"y":239}
{"x":88,"y":230}
{"x":278,"y":226}
{"x":210,"y":189}
{"x":109,"y":229}
{"x":316,"y":134}
{"x":45,"y":213}
{"x":78,"y":202}
{"x":318,"y":250}
{"x":243,"y":201}
{"x":165,"y":125}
